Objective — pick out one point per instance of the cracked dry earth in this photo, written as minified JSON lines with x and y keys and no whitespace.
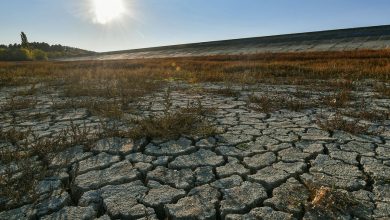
{"x":261,"y":166}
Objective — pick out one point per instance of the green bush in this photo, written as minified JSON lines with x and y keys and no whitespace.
{"x":3,"y":53}
{"x":21,"y":54}
{"x":39,"y":55}
{"x":18,"y":54}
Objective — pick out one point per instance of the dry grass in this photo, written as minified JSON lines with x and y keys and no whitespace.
{"x":228,"y":92}
{"x":373,"y":115}
{"x":20,"y":187}
{"x":338,"y":122}
{"x":339,"y":99}
{"x":268,"y":104}
{"x":330,"y":202}
{"x":103,"y":108}
{"x":106,"y":109}
{"x":172,"y":126}
{"x":189,"y":121}
{"x":14,"y":104}
{"x":27,"y":92}
{"x":18,"y":174}
{"x":262,"y":103}
{"x":13,"y":136}
{"x":342,"y":68}
{"x":383,"y":90}
{"x":27,"y":161}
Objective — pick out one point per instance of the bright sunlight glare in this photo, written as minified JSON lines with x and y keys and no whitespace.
{"x":106,"y":11}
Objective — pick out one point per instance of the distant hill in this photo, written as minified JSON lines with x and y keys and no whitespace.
{"x":363,"y":38}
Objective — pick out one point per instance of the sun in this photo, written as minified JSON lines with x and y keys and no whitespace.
{"x":106,"y":11}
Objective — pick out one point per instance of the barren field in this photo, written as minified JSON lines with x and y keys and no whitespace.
{"x":262,"y":136}
{"x":364,"y":38}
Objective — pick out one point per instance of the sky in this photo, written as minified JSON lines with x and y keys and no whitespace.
{"x":148,"y":23}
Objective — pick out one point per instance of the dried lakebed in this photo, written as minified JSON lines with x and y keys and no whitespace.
{"x":275,"y":165}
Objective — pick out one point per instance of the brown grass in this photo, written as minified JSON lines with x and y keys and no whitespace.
{"x":31,"y":155}
{"x":338,"y":99}
{"x":268,"y":104}
{"x":14,"y":104}
{"x":330,"y":202}
{"x":229,"y":92}
{"x":343,"y":68}
{"x":110,"y":89}
{"x":373,"y":115}
{"x":383,"y":90}
{"x":189,"y":121}
{"x":339,"y":123}
{"x":103,"y":108}
{"x":27,"y":92}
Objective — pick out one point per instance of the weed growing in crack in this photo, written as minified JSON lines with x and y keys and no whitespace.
{"x":383,"y":90}
{"x":27,"y":92}
{"x":338,"y":122}
{"x":228,"y":92}
{"x":268,"y":104}
{"x":262,"y":103}
{"x":167,"y":102}
{"x":106,"y":109}
{"x":26,"y":157}
{"x":18,"y":182}
{"x":110,"y":129}
{"x":14,"y":104}
{"x":243,"y":146}
{"x":331,"y":202}
{"x":185,"y":121}
{"x":363,"y":112}
{"x":338,"y":100}
{"x":14,"y":136}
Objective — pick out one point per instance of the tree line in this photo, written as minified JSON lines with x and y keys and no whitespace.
{"x":26,"y":51}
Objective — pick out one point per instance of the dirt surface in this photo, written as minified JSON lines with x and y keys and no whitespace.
{"x":373,"y":38}
{"x":276,"y":164}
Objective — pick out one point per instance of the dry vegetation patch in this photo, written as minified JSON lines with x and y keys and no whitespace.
{"x":338,"y":122}
{"x":14,"y":104}
{"x":269,"y":104}
{"x":339,"y":99}
{"x":112,"y":89}
{"x":190,"y":121}
{"x":327,"y":202}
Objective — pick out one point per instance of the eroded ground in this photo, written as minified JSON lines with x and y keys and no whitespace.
{"x":195,"y":150}
{"x":269,"y":165}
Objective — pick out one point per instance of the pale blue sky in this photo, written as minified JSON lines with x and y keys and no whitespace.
{"x":166,"y":22}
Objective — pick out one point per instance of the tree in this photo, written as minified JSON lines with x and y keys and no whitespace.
{"x":24,"y":40}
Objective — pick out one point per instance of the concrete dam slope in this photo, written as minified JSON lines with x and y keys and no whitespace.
{"x":374,"y":38}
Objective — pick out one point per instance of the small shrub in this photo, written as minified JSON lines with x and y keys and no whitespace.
{"x":330,"y":202}
{"x":338,"y":100}
{"x":229,"y":92}
{"x":17,"y":54}
{"x":28,"y":92}
{"x":262,"y":103}
{"x":106,"y":109}
{"x":370,"y":115}
{"x":267,"y":104}
{"x":14,"y":104}
{"x":339,"y":123}
{"x":186,"y":121}
{"x":383,"y":90}
{"x":39,"y":55}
